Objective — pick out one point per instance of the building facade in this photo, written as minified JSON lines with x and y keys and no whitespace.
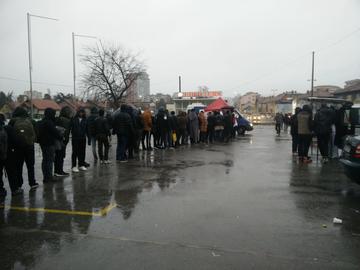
{"x":247,"y":102}
{"x":351,"y":91}
{"x":140,"y":89}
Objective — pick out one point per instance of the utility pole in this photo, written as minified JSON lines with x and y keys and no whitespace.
{"x":179,"y":84}
{"x":28,"y":16}
{"x":312,"y":74}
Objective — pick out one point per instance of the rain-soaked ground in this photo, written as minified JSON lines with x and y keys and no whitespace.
{"x":244,"y":205}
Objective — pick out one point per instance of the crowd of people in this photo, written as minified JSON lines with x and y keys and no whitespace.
{"x":135,"y":130}
{"x":326,"y":125}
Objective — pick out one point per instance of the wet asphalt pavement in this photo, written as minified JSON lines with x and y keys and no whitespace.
{"x":244,"y":205}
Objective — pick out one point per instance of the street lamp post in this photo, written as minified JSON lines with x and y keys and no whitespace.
{"x":73,"y":35}
{"x":28,"y":15}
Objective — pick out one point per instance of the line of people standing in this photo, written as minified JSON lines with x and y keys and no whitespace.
{"x":133,"y":129}
{"x":304,"y":127}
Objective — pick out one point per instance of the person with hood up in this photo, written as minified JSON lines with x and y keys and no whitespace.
{"x":304,"y":130}
{"x":63,"y":122}
{"x":194,"y":127}
{"x":9,"y":141}
{"x":124,"y":129}
{"x":323,"y":121}
{"x":102,"y":131}
{"x":94,"y":113}
{"x":294,"y":130}
{"x":48,"y":135}
{"x":79,"y":133}
{"x":25,"y":130}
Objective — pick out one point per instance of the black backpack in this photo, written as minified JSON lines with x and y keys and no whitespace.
{"x":3,"y":144}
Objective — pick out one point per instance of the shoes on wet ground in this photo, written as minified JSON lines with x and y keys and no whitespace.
{"x":82,"y":168}
{"x":75,"y":170}
{"x":107,"y":161}
{"x":34,"y":186}
{"x":61,"y":174}
{"x":86,"y":164}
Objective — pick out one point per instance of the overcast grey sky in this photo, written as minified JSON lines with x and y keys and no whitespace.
{"x":230,"y":45}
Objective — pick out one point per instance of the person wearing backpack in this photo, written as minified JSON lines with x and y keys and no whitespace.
{"x":323,"y":121}
{"x":25,"y":152}
{"x":8,"y":142}
{"x":79,"y":133}
{"x":48,"y":135}
{"x":102,"y":131}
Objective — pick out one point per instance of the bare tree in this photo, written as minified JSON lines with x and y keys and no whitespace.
{"x":111,"y":72}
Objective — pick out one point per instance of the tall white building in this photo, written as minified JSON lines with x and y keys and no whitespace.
{"x":140,"y":89}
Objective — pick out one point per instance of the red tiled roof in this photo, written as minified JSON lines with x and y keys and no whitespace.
{"x":42,"y":104}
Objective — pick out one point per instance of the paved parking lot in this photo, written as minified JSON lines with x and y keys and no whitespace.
{"x":244,"y":205}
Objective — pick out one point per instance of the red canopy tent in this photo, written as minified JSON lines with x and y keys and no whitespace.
{"x":218,"y":105}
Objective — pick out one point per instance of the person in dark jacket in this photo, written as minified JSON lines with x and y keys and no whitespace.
{"x":174,"y":126}
{"x":79,"y":133}
{"x":210,"y":127}
{"x":91,"y":131}
{"x":8,"y":161}
{"x":62,"y":121}
{"x":124,"y":129}
{"x":138,"y":126}
{"x":182,"y":123}
{"x":294,"y":131}
{"x":102,"y":132}
{"x":48,"y":135}
{"x":323,"y":120}
{"x":24,"y":128}
{"x":305,"y":127}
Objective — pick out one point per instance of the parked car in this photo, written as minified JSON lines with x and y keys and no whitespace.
{"x":351,"y":158}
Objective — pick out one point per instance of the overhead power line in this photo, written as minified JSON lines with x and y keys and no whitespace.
{"x":40,"y":83}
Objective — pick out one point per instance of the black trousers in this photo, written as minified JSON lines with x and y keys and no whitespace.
{"x":59,"y":159}
{"x":78,"y":152}
{"x":304,"y":144}
{"x":295,"y":143}
{"x":211,"y":134}
{"x":47,"y":165}
{"x":323,"y":144}
{"x":146,"y":144}
{"x":103,"y":146}
{"x":10,"y":167}
{"x":25,"y":155}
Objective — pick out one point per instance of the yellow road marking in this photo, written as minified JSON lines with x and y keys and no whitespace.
{"x":100,"y":213}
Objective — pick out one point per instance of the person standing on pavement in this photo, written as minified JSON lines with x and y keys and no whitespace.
{"x":294,"y":131}
{"x":25,"y":152}
{"x":146,"y":134}
{"x":8,"y":142}
{"x":279,"y":120}
{"x":182,"y":121}
{"x":174,"y":128}
{"x":124,"y":129}
{"x":139,"y":127}
{"x":323,"y":120}
{"x":63,"y":121}
{"x":203,"y":127}
{"x":48,"y":134}
{"x":79,"y":133}
{"x":194,"y":127}
{"x":102,"y":133}
{"x":91,"y":130}
{"x":228,"y":126}
{"x":210,"y":127}
{"x":305,"y":124}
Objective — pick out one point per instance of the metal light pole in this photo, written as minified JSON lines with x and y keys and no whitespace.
{"x":73,"y":35}
{"x":28,"y":15}
{"x":312,"y":74}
